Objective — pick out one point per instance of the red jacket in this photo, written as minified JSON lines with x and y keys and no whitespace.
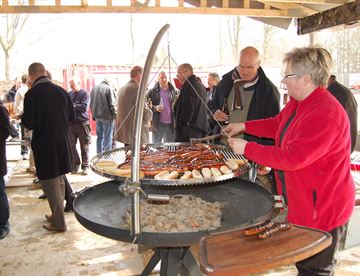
{"x":315,"y":157}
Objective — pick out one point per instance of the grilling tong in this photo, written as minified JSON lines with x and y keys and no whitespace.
{"x":194,"y":141}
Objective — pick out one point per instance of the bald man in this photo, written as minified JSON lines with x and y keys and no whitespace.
{"x":259,"y":97}
{"x":190,"y":108}
{"x":48,"y":110}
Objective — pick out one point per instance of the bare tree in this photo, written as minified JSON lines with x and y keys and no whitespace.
{"x":268,"y":51}
{"x":132,"y":38}
{"x":221,"y":46}
{"x":345,"y":53}
{"x":14,"y":25}
{"x":234,"y":34}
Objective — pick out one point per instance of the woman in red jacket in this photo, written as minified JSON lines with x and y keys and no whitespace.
{"x":311,"y":154}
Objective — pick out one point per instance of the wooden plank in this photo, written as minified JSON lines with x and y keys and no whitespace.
{"x":345,"y":14}
{"x":142,"y":9}
{"x":225,"y":4}
{"x":246,"y":4}
{"x":234,"y":253}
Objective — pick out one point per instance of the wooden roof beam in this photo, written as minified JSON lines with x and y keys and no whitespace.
{"x":294,"y":10}
{"x":144,"y":9}
{"x":346,"y":14}
{"x":325,"y":2}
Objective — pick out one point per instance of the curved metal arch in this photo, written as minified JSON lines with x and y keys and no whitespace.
{"x":139,"y":112}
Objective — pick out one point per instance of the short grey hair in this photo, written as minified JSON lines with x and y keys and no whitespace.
{"x":215,"y":76}
{"x":314,"y":61}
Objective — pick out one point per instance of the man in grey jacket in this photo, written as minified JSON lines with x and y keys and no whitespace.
{"x":102,"y":106}
{"x":125,"y":121}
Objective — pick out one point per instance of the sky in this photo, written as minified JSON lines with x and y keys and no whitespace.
{"x":61,"y":39}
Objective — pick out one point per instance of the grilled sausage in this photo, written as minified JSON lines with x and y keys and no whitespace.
{"x":274,"y":229}
{"x":258,"y":229}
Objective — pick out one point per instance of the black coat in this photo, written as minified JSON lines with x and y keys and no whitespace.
{"x":154,"y":96}
{"x":4,"y":134}
{"x":348,"y":101}
{"x":265,"y":102}
{"x":47,"y":111}
{"x":190,"y":111}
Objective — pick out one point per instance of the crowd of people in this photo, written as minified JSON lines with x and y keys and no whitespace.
{"x":306,"y":143}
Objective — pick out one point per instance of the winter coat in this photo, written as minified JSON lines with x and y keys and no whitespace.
{"x":47,"y":111}
{"x":315,"y":157}
{"x":348,"y":101}
{"x":125,"y":120}
{"x":4,"y":134}
{"x":265,"y":102}
{"x":190,"y":110}
{"x":102,"y":102}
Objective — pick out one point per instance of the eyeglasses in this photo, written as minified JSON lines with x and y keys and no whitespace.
{"x":289,"y":76}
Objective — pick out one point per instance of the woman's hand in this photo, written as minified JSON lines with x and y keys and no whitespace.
{"x":238,"y":145}
{"x":234,"y":129}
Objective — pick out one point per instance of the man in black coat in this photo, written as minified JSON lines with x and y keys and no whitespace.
{"x":260,"y":97}
{"x":4,"y":204}
{"x":190,"y":108}
{"x":47,"y":111}
{"x":348,"y":101}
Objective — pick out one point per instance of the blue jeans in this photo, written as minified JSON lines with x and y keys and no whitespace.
{"x":104,"y":132}
{"x":4,"y":206}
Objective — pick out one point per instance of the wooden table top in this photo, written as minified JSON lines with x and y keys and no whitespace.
{"x":233,"y":253}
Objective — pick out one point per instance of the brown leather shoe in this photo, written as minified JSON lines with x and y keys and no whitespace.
{"x":49,"y":227}
{"x":48,"y":218}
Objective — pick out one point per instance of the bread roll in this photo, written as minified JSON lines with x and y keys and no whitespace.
{"x":240,"y":162}
{"x":172,"y":175}
{"x":232,"y":164}
{"x":105,"y":163}
{"x":215,"y":172}
{"x":186,"y":175}
{"x":196,"y":174}
{"x":206,"y":172}
{"x":225,"y":169}
{"x":161,"y":175}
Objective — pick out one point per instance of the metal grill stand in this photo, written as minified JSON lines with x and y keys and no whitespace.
{"x":174,"y":261}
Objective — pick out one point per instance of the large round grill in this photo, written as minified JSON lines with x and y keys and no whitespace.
{"x":101,"y":209}
{"x":121,"y":155}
